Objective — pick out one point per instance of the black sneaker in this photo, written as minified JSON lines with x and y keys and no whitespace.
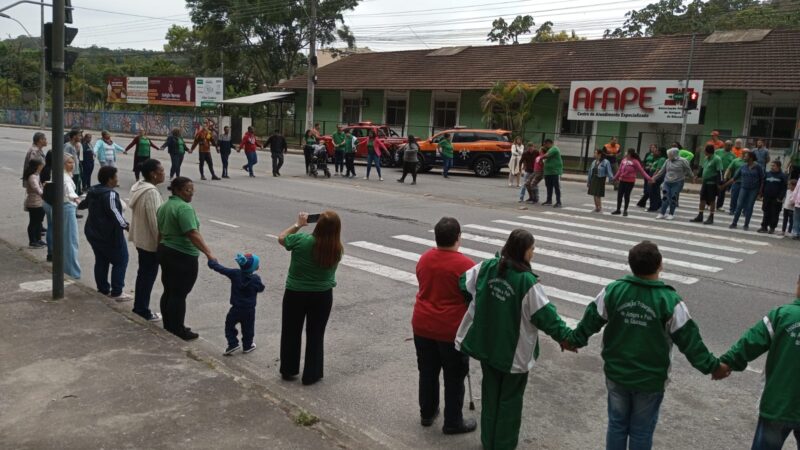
{"x":709,"y":221}
{"x":625,"y":214}
{"x":557,"y":205}
{"x":466,"y":426}
{"x":215,"y":178}
{"x":547,"y":203}
{"x":428,"y":421}
{"x":761,"y":230}
{"x":231,"y":348}
{"x":288,"y":377}
{"x":698,"y":219}
{"x":189,"y":335}
{"x":249,"y":349}
{"x":732,"y":226}
{"x":746,"y":228}
{"x":616,"y":213}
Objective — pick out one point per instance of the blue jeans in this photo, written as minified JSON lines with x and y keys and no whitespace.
{"x":747,"y":198}
{"x":447,"y":164}
{"x":145,"y":279}
{"x":771,"y":435}
{"x":252,"y":160}
{"x":632,"y":417}
{"x":71,"y":265}
{"x":526,"y":177}
{"x":374,"y":158}
{"x":246,"y":318}
{"x":48,"y":211}
{"x":795,"y":223}
{"x":115,"y":256}
{"x":735,"y":188}
{"x":669,"y":195}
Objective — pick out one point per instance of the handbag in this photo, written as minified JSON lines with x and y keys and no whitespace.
{"x":48,"y":192}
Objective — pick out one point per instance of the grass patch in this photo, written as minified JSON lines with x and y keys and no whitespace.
{"x":305,"y":418}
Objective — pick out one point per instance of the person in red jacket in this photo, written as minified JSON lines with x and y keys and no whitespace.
{"x":250,"y":143}
{"x":437,"y":315}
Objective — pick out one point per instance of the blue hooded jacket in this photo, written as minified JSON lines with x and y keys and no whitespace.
{"x":244,"y":286}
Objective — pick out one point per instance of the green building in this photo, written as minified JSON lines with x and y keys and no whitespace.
{"x":751,"y":87}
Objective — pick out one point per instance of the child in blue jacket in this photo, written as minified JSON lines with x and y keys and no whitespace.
{"x":245,"y":286}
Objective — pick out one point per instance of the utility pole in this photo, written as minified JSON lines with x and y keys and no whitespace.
{"x":57,"y":164}
{"x":312,"y":66}
{"x":43,"y":77}
{"x":686,"y":91}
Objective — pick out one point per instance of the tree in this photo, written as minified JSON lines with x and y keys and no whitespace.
{"x":696,"y":16}
{"x":545,"y":33}
{"x":510,"y":105}
{"x":504,"y":33}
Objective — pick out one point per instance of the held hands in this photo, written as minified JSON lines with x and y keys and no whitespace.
{"x":565,"y":345}
{"x":722,"y":372}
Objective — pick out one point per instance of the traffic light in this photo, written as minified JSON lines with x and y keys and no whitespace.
{"x":69,"y":56}
{"x":691,"y":102}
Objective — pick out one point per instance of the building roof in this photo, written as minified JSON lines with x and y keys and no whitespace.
{"x":771,"y":63}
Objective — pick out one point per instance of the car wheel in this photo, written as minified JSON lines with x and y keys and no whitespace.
{"x":484,"y":167}
{"x":387,"y":159}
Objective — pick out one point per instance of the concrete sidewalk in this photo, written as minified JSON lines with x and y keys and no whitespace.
{"x":84,"y":373}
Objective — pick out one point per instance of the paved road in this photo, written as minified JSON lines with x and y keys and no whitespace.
{"x":728,"y":278}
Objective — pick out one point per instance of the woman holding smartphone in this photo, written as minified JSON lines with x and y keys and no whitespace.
{"x":309,"y":292}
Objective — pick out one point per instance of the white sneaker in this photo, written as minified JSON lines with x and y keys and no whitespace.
{"x":366,"y":178}
{"x":122,"y":297}
{"x":670,"y":217}
{"x":156,"y":317}
{"x":381,"y":178}
{"x":660,"y":216}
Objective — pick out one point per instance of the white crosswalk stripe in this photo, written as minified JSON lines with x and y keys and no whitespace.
{"x":684,"y":211}
{"x":721,"y":237}
{"x":683,"y":223}
{"x":625,"y":242}
{"x":379,"y":269}
{"x":545,"y":252}
{"x":651,"y":236}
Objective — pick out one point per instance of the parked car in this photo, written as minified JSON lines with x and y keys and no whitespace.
{"x":484,"y":152}
{"x":361,"y":131}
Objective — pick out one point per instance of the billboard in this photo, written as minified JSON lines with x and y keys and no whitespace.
{"x":174,"y":91}
{"x":208,"y":91}
{"x":137,"y":90}
{"x":116,"y":90}
{"x":652,"y":101}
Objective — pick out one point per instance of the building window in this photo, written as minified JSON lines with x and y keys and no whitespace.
{"x":775,"y":124}
{"x":396,"y":113}
{"x":444,"y":114}
{"x":575,"y":127}
{"x":351,"y":110}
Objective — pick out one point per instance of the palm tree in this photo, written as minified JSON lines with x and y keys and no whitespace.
{"x":510,"y":104}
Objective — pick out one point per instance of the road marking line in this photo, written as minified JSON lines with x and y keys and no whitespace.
{"x":649,"y":236}
{"x":379,"y":269}
{"x":677,"y":212}
{"x":686,"y":223}
{"x":754,"y":370}
{"x":551,"y":253}
{"x":607,"y":239}
{"x":614,"y":251}
{"x":223,"y":223}
{"x":271,"y":236}
{"x":386,"y":250}
{"x":8,"y":169}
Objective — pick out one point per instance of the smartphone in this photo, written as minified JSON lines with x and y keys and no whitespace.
{"x":313,"y":218}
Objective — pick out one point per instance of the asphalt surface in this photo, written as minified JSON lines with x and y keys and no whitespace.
{"x":729,"y":280}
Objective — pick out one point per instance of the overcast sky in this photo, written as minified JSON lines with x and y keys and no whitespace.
{"x":377,"y":24}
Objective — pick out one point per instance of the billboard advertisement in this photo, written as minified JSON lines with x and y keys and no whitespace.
{"x":116,"y":90}
{"x":655,"y":101}
{"x":174,"y":91}
{"x":208,"y":91}
{"x":137,"y":90}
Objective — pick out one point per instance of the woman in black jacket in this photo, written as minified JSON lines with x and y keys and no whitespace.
{"x":176,"y":147}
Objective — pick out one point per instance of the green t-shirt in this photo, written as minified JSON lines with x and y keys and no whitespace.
{"x":371,"y":147}
{"x":305,"y":275}
{"x":349,"y":143}
{"x":648,"y":161}
{"x":338,"y":140}
{"x":734,"y":167}
{"x":181,"y":146}
{"x":658,"y":163}
{"x":686,"y":154}
{"x":446,"y":148}
{"x":311,"y":140}
{"x":143,"y":147}
{"x":726,"y":157}
{"x":553,"y":165}
{"x":711,"y":168}
{"x":175,"y":219}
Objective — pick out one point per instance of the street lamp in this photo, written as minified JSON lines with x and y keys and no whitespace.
{"x":42,"y":77}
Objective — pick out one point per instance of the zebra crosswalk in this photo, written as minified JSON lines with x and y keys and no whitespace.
{"x":578,"y":254}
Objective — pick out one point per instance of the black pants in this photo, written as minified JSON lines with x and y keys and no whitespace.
{"x":175,"y":167}
{"x":434,"y":357}
{"x":178,"y":274}
{"x":313,"y":309}
{"x":35,"y":217}
{"x":624,"y":193}
{"x":772,"y":211}
{"x":409,"y":168}
{"x":145,"y":279}
{"x":246,"y":318}
{"x":205,"y":158}
{"x":137,"y":162}
{"x":308,"y":152}
{"x":338,"y":160}
{"x":788,"y":220}
{"x":224,"y":155}
{"x":277,"y":162}
{"x":552,"y":183}
{"x":721,"y":197}
{"x":350,"y":162}
{"x":87,"y":167}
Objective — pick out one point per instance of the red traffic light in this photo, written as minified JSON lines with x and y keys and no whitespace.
{"x":694,"y":96}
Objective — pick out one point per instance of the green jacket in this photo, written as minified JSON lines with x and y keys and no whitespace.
{"x":642,"y":319}
{"x":504,"y":316}
{"x":338,"y":140}
{"x":446,"y":147}
{"x":779,"y":334}
{"x":349,"y":143}
{"x":553,"y":165}
{"x":712,"y":170}
{"x":658,"y":163}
